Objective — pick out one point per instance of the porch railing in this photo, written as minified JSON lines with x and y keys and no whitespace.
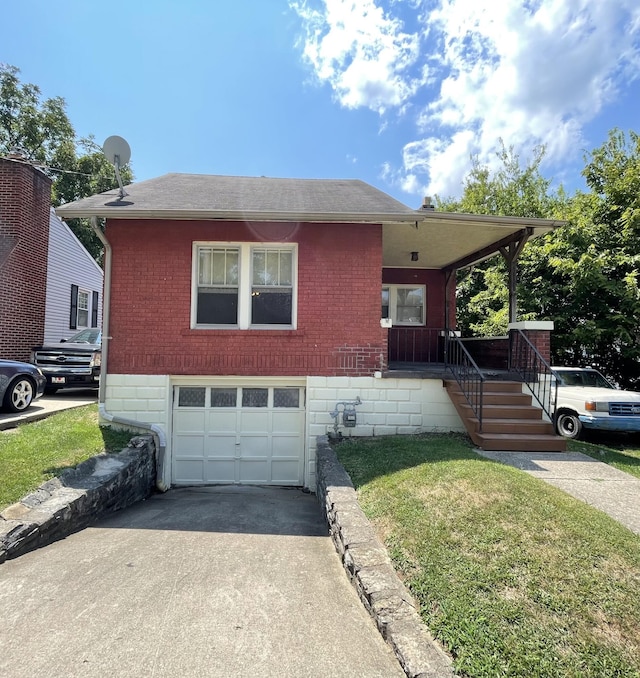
{"x":466,"y":373}
{"x":534,"y":370}
{"x":416,"y":345}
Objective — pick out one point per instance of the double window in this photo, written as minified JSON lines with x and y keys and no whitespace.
{"x":404,"y":304}
{"x":244,"y":285}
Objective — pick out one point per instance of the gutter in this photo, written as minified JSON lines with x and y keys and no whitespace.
{"x":159,"y":436}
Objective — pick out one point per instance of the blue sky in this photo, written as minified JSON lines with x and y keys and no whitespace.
{"x":399,"y":93}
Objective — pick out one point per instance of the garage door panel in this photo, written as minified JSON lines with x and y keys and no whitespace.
{"x":186,"y":420}
{"x":254,"y":421}
{"x":222,"y":420}
{"x":286,"y":422}
{"x":220,"y":471}
{"x":221,"y":446}
{"x":285,"y":472}
{"x":188,"y":471}
{"x":255,"y":471}
{"x":285,"y":446}
{"x":191,"y":445}
{"x":254,"y":446}
{"x":260,"y":440}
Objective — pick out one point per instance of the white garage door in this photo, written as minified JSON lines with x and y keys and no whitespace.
{"x":238,"y":434}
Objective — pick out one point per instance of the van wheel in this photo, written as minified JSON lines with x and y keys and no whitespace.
{"x":568,"y":425}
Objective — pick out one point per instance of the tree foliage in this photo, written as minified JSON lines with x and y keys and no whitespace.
{"x":512,"y":190}
{"x":40,"y":130}
{"x":584,"y":275}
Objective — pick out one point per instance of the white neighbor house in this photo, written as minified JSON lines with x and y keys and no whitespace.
{"x":74,"y":285}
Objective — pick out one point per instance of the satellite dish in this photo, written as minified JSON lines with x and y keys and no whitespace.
{"x":117,"y":150}
{"x":118,"y":153}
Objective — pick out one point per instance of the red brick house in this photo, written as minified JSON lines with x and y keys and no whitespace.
{"x":244,"y":311}
{"x":50,"y":286}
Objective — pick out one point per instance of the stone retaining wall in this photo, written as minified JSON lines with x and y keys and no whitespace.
{"x":368,"y":565}
{"x":61,"y":506}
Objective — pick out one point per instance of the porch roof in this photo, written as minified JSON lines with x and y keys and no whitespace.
{"x":454,"y":240}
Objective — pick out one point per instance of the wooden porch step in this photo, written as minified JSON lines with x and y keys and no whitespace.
{"x":519,"y":442}
{"x":504,"y":411}
{"x":498,"y":386}
{"x":517,"y":426}
{"x":510,"y":421}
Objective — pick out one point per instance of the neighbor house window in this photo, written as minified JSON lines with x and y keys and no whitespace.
{"x":244,"y":286}
{"x":83,"y":308}
{"x":404,"y":304}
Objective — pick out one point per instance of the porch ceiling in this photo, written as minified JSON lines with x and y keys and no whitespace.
{"x":444,"y":239}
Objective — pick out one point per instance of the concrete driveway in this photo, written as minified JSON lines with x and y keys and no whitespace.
{"x":49,"y":404}
{"x":217,"y":581}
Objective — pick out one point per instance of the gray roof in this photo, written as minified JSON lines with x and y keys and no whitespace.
{"x":201,"y":196}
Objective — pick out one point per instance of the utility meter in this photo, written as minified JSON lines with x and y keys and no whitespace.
{"x":349,"y":419}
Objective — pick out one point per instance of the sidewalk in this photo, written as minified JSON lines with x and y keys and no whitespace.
{"x":606,"y":488}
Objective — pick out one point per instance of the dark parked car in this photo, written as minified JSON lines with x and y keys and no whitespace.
{"x":74,"y":362}
{"x":20,"y":385}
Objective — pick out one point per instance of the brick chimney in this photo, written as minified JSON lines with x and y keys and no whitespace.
{"x":25,"y":202}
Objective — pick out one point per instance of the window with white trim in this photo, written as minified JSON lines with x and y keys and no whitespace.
{"x":83,"y":309}
{"x":244,"y":285}
{"x":404,"y":304}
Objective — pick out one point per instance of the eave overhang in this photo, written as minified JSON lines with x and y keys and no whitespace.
{"x":443,"y":240}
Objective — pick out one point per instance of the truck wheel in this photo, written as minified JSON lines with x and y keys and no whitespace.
{"x":19,"y":395}
{"x":568,"y":425}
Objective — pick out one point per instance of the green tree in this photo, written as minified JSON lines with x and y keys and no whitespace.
{"x":40,"y":130}
{"x":585,"y":276}
{"x":512,"y":190}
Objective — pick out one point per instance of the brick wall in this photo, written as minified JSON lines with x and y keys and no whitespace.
{"x":541,"y":339}
{"x":338,"y":329}
{"x":25,"y":199}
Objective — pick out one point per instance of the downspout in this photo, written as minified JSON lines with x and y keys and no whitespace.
{"x":158,"y":433}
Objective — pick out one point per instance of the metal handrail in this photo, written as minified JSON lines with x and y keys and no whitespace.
{"x":534,"y":370}
{"x":466,"y":373}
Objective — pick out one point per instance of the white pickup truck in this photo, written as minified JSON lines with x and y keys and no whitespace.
{"x":586,"y":400}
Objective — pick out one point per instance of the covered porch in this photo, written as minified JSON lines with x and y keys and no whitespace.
{"x":420,"y":264}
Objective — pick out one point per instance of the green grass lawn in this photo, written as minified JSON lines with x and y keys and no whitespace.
{"x":513,"y":576}
{"x":35,"y":452}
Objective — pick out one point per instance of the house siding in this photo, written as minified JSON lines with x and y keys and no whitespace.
{"x":69,"y":264}
{"x":25,"y":196}
{"x":338,"y":308}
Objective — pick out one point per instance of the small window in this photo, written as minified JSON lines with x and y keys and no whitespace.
{"x":404,"y":304}
{"x":191,"y":397}
{"x":255,"y":397}
{"x":286,"y":397}
{"x":83,"y":309}
{"x":223,"y":397}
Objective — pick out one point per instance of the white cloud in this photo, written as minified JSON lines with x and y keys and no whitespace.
{"x":529,"y":72}
{"x":361,"y":51}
